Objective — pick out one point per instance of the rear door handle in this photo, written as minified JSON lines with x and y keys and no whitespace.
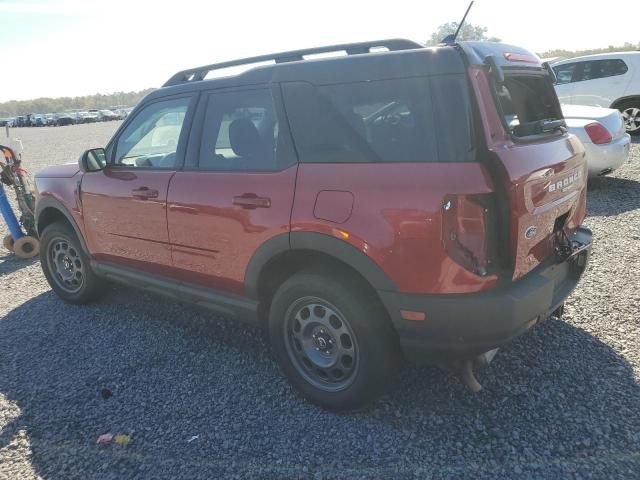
{"x":251,"y":201}
{"x":144,"y":193}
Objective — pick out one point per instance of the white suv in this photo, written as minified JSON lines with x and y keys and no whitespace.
{"x":609,"y":80}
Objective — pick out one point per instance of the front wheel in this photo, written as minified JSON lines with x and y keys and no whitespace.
{"x":66,"y":266}
{"x":333,"y":340}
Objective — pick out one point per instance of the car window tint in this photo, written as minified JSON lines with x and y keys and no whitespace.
{"x":241,"y":132}
{"x":151,"y":139}
{"x":381,"y":121}
{"x":603,"y":68}
{"x":564,"y":73}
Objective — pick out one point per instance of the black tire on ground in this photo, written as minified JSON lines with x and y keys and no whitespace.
{"x":631,"y":112}
{"x":333,"y":340}
{"x":66,"y":265}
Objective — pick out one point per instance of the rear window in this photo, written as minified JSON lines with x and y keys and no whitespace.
{"x":529,"y":106}
{"x":421,"y":119}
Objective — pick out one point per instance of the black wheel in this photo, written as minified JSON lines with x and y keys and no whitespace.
{"x":631,"y":115}
{"x":333,"y":340}
{"x":66,"y":266}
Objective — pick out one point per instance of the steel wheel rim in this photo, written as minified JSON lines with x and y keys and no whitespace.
{"x":65,"y":265}
{"x":321,"y":344}
{"x":631,"y":118}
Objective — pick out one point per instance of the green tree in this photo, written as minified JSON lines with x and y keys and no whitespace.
{"x":467,"y":32}
{"x":61,"y":104}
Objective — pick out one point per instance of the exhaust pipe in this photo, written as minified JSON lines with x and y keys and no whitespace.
{"x":466,"y":371}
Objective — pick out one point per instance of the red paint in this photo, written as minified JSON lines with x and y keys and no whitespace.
{"x":213,"y":236}
{"x":204,"y":226}
{"x":396,"y":218}
{"x":122,"y":227}
{"x":529,"y":169}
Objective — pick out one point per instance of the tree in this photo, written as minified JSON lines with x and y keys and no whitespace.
{"x":61,"y":104}
{"x":468,"y":32}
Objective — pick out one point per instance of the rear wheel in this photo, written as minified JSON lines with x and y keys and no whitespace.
{"x":631,"y":115}
{"x":332,"y":340}
{"x":66,"y":265}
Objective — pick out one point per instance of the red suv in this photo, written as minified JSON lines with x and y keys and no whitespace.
{"x":392,"y":201}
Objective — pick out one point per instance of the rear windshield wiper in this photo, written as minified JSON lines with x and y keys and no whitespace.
{"x":539,"y":127}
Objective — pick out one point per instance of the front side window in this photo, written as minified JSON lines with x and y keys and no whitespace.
{"x":423,"y":119}
{"x":564,"y":73}
{"x":602,"y":68}
{"x":241,"y":133}
{"x":151,"y":139}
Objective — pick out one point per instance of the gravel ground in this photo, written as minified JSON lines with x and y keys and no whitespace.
{"x":560,"y":402}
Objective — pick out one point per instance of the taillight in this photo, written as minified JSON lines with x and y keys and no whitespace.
{"x":464,"y":231}
{"x":598,"y":133}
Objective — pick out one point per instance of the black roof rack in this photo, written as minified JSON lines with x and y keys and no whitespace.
{"x":199,"y":73}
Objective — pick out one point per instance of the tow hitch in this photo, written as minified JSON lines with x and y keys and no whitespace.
{"x":573,"y":247}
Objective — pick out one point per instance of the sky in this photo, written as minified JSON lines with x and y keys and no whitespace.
{"x":52,"y":48}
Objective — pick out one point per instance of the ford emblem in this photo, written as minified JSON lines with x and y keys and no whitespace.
{"x":530,"y":232}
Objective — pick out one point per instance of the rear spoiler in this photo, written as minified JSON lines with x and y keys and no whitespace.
{"x":497,"y":71}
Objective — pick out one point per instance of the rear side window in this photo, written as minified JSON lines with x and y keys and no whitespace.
{"x":529,"y":106}
{"x":422,"y":119}
{"x":601,"y":69}
{"x":241,"y":132}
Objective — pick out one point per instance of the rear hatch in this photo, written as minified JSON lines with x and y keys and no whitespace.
{"x":539,"y":169}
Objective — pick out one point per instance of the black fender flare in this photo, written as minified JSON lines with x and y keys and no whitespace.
{"x":317,"y":242}
{"x":44,"y":203}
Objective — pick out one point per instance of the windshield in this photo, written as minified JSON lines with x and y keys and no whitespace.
{"x":529,"y":105}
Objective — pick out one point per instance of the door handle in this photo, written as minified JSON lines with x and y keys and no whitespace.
{"x":144,"y":193}
{"x":251,"y":201}
{"x":183,"y":209}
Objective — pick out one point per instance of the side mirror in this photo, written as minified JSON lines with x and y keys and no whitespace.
{"x":93,"y":160}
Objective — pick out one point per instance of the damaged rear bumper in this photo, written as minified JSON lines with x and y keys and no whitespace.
{"x":462,"y":326}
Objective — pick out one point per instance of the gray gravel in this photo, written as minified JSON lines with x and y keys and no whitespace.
{"x":561,"y":402}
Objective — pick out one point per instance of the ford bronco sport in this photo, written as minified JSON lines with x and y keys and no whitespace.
{"x":392,"y":201}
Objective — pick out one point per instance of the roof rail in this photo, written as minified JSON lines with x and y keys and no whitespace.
{"x":199,"y":73}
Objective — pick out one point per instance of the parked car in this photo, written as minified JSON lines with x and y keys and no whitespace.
{"x":87,"y":117}
{"x":4,"y":122}
{"x":602,"y":132}
{"x":38,"y":120}
{"x":410,"y":218}
{"x":122,"y":113}
{"x":62,"y":119}
{"x":21,"y":121}
{"x":106,"y":116}
{"x":610,"y":80}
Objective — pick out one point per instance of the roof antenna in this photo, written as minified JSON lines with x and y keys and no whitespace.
{"x":451,"y":38}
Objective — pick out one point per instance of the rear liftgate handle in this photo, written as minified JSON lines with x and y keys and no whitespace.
{"x":251,"y":201}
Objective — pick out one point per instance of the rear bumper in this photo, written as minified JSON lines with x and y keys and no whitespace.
{"x":603,"y":159}
{"x":459,"y":326}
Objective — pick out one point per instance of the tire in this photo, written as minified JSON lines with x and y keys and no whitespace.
{"x":66,"y":265}
{"x":631,"y":114}
{"x":333,"y":340}
{"x":7,"y":242}
{"x":26,"y":247}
